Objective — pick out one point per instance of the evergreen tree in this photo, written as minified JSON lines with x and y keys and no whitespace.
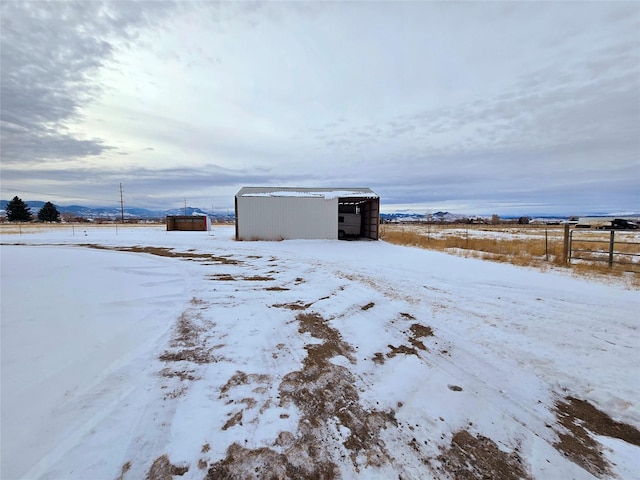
{"x":49,"y":213}
{"x":18,"y":211}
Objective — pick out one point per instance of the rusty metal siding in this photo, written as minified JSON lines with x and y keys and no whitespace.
{"x":281,"y":218}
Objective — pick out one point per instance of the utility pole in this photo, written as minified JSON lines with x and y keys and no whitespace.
{"x":121,"y":205}
{"x":185,"y":206}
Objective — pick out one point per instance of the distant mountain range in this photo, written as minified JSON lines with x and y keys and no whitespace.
{"x":446,"y":217}
{"x":115,"y":213}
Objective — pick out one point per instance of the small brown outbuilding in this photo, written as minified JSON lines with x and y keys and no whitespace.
{"x":198,"y":223}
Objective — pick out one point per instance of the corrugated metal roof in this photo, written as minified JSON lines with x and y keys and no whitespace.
{"x":306,"y":192}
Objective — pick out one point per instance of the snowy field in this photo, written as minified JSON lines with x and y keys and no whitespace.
{"x":139,"y":353}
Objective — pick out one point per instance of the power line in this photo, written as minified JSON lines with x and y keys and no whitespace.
{"x":121,"y":204}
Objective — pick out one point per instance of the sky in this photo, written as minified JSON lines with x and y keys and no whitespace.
{"x":468,"y":107}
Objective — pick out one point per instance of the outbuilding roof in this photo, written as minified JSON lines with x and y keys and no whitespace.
{"x":327,"y":193}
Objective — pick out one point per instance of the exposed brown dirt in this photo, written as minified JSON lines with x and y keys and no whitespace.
{"x":579,"y":418}
{"x":187,"y":344}
{"x":175,"y":393}
{"x":479,"y":458}
{"x":401,"y":350}
{"x":186,"y":332}
{"x":368,"y":306}
{"x":181,"y":374}
{"x":162,"y":469}
{"x":324,"y":393}
{"x":222,"y":277}
{"x":226,"y":277}
{"x":293,"y":305}
{"x":249,"y":402}
{"x":195,"y":355}
{"x":265,"y":463}
{"x":241,"y":378}
{"x":234,"y":420}
{"x":418,"y":331}
{"x":378,"y":358}
{"x":167,"y":252}
{"x":125,"y":468}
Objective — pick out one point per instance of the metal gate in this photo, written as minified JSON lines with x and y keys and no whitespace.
{"x":613,"y":247}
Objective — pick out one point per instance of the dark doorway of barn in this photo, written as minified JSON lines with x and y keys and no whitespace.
{"x":367,"y":213}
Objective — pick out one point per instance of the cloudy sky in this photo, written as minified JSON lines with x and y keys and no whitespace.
{"x":475,"y":108}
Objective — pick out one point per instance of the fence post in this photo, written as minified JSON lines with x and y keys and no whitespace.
{"x":546,"y":244}
{"x":611,"y":244}
{"x":565,"y":246}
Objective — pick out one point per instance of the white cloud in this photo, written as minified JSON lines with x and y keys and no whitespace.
{"x":503,"y":105}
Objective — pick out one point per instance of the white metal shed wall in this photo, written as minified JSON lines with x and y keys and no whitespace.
{"x":281,"y":218}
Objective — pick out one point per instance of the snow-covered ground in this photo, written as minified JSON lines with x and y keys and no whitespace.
{"x":137,"y":352}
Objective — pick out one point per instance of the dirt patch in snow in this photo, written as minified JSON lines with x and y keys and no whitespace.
{"x":167,"y":252}
{"x":325,"y":392}
{"x":162,"y":469}
{"x":418,"y":331}
{"x":187,"y":343}
{"x":578,"y":418}
{"x":401,"y":350}
{"x":293,"y":305}
{"x":378,"y":358}
{"x":181,"y":374}
{"x":473,"y":458}
{"x":258,"y":278}
{"x":243,"y":463}
{"x":194,"y":355}
{"x":328,"y":400}
{"x":241,"y":378}
{"x":125,"y":468}
{"x":421,"y":331}
{"x":234,"y":420}
{"x":226,"y":277}
{"x":222,"y":277}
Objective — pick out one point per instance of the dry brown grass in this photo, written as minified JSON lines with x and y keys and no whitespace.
{"x":516,"y":248}
{"x":530,"y":246}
